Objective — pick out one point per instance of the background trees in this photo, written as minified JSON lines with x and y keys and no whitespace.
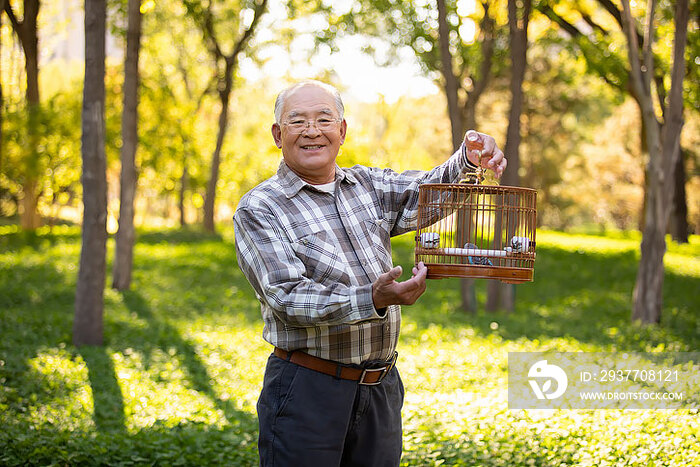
{"x":125,"y":235}
{"x":216,"y":20}
{"x":663,"y":144}
{"x":581,"y":143}
{"x":26,"y":31}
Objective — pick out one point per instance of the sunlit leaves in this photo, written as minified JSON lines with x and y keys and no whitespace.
{"x":179,"y":376}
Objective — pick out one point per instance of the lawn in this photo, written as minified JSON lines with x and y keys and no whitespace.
{"x":178,"y":377}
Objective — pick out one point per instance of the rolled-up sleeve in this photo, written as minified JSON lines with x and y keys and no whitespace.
{"x":398,"y":192}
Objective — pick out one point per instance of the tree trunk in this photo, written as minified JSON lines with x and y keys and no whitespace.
{"x":2,"y":102}
{"x":501,"y":295}
{"x":124,"y":251}
{"x":468,"y":294}
{"x":89,"y":304}
{"x":481,"y":81}
{"x":30,"y":43}
{"x":451,"y":88}
{"x":204,"y":19}
{"x":181,"y":197}
{"x":663,"y":143}
{"x":26,"y":31}
{"x":679,"y":215}
{"x":210,"y":196}
{"x":451,"y":85}
{"x":29,"y":218}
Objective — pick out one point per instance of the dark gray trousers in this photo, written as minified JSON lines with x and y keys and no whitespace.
{"x":312,"y":419}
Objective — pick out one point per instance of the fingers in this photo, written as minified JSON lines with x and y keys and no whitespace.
{"x":497,"y":163}
{"x":489,"y":143}
{"x":393,"y":274}
{"x":386,"y":291}
{"x":413,"y":288}
{"x":420,"y":265}
{"x":491,"y":157}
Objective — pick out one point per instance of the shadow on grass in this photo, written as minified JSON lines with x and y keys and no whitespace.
{"x":38,"y":240}
{"x":108,"y":401}
{"x":195,"y":281}
{"x":178,"y":236}
{"x":36,"y":314}
{"x":158,"y":334}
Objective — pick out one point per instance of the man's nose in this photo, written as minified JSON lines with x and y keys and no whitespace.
{"x":312,"y":130}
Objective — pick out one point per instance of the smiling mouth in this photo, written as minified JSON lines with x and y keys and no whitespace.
{"x":312,"y":146}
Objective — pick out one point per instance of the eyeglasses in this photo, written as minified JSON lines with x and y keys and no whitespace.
{"x":299,"y":125}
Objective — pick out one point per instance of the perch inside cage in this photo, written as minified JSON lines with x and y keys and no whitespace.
{"x":477,"y":231}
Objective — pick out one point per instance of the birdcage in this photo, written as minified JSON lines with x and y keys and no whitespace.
{"x":472,"y":230}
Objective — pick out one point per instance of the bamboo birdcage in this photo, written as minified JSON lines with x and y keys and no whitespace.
{"x":477,"y":231}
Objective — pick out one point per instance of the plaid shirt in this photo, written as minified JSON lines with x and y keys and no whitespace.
{"x":312,"y":256}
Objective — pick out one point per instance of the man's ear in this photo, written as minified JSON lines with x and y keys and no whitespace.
{"x":277,"y":135}
{"x":343,"y":130}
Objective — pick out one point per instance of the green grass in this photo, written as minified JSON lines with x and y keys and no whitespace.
{"x":178,"y":377}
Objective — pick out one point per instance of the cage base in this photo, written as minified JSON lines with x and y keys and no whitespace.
{"x":508,"y":275}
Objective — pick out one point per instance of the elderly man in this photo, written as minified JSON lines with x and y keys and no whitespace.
{"x":314,"y":242}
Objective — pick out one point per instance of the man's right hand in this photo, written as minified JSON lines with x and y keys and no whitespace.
{"x":386,"y":291}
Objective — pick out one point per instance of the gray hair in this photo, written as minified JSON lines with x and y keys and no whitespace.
{"x":279,"y":102}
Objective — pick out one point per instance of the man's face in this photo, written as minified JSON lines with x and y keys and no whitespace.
{"x":310,"y":154}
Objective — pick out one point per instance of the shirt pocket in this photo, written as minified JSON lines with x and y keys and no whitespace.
{"x":324,"y":263}
{"x":380,"y":241}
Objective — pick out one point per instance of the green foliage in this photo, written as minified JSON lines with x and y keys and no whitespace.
{"x":56,"y":162}
{"x":177,"y":380}
{"x":415,"y":25}
{"x":580,"y":136}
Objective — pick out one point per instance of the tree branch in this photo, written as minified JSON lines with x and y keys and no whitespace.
{"x":16,"y":25}
{"x":612,"y":9}
{"x":587,"y":18}
{"x":259,"y":10}
{"x":208,"y":30}
{"x":203,"y":19}
{"x":486,"y":25}
{"x":647,"y":47}
{"x":569,"y":28}
{"x":632,"y":49}
{"x":615,"y":12}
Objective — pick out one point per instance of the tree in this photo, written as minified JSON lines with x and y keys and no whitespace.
{"x":213,"y":24}
{"x":598,"y":48}
{"x":502,"y":295}
{"x":465,"y":64}
{"x":124,"y":252}
{"x":89,"y":294}
{"x":662,"y":141}
{"x":26,"y":31}
{"x":2,"y":100}
{"x":439,"y":37}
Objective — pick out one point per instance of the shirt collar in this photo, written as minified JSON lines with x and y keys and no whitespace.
{"x":292,"y":184}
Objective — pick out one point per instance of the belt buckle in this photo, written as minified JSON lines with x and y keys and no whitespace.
{"x":384,"y":371}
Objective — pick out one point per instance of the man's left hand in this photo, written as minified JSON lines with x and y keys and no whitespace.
{"x":490,"y":157}
{"x":387,"y":291}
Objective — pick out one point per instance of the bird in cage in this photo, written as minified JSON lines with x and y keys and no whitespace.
{"x":480,"y":260}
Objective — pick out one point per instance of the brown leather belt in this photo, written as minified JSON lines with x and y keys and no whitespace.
{"x":365,"y":376}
